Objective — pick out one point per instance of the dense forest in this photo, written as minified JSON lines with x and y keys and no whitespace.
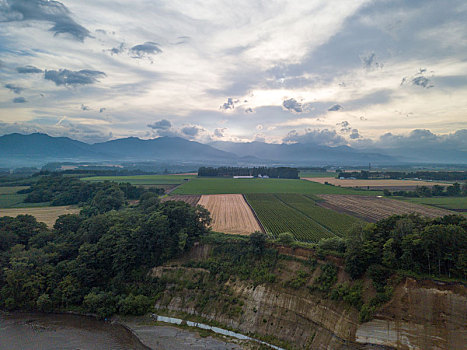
{"x":280,"y":172}
{"x":94,"y":262}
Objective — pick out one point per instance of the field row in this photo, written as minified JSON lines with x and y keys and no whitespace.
{"x":373,"y":209}
{"x":298,"y":215}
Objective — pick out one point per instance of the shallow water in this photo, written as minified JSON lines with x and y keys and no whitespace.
{"x":65,"y":332}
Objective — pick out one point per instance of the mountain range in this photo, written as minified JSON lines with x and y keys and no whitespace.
{"x":37,"y":149}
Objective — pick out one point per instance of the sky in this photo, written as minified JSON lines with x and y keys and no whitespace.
{"x":359,"y":73}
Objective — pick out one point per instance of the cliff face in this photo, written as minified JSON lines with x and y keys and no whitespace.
{"x":420,"y":315}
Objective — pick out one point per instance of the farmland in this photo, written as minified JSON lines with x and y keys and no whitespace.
{"x":376,"y":184}
{"x":10,"y":199}
{"x":373,"y":209}
{"x":245,"y":186}
{"x":451,"y":203}
{"x":230,"y":214}
{"x":335,"y":222}
{"x":48,"y":215}
{"x":189,"y":199}
{"x":277,"y":217}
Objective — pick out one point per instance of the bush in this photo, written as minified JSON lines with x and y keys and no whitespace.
{"x":286,"y":238}
{"x":134,"y":305}
{"x":327,"y":278}
{"x":44,"y":303}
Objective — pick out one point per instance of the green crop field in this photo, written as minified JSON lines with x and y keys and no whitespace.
{"x":278,"y":217}
{"x":453,"y":203}
{"x":213,"y":185}
{"x":144,"y":179}
{"x":335,"y":222}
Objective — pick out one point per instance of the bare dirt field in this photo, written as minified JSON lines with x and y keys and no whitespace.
{"x":48,"y":215}
{"x":389,"y":184}
{"x":190,"y":199}
{"x":373,"y":208}
{"x":230,"y":213}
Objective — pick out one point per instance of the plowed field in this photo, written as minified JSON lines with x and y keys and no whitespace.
{"x":230,"y":213}
{"x":373,"y":208}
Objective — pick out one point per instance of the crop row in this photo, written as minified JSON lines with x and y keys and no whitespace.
{"x":336,"y":222}
{"x":278,"y":217}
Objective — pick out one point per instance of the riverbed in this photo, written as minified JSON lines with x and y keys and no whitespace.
{"x":35,"y":331}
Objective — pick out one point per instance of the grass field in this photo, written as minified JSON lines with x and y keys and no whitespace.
{"x":48,"y":215}
{"x":214,"y":185}
{"x":10,"y":199}
{"x":144,"y":179}
{"x":453,"y":203}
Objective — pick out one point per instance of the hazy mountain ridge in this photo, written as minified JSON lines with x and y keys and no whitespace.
{"x":35,"y":149}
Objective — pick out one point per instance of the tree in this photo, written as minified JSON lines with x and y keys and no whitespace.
{"x":258,"y":242}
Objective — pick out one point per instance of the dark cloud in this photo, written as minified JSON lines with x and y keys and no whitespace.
{"x":117,"y":50}
{"x":293,"y":105}
{"x":163,"y":124}
{"x":102,"y":109}
{"x":16,"y":89}
{"x":28,"y":69}
{"x":335,"y":108}
{"x":148,"y":48}
{"x":85,"y":108}
{"x":68,"y":77}
{"x":19,"y":100}
{"x":420,"y":138}
{"x":219,"y":132}
{"x":354,"y":134}
{"x":315,"y":136}
{"x":191,"y":130}
{"x":230,"y":104}
{"x":370,"y":63}
{"x":345,"y":126}
{"x":43,"y":10}
{"x":418,"y":79}
{"x":249,"y":110}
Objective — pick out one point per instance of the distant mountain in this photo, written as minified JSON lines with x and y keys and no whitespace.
{"x":301,"y":153}
{"x":37,"y":149}
{"x":162,"y":148}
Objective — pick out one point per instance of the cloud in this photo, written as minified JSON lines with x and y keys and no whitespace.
{"x":420,"y":138}
{"x":43,"y":10}
{"x":191,"y":130}
{"x":16,"y":89}
{"x":292,"y":105}
{"x":230,"y":104}
{"x":117,"y":50}
{"x":19,"y":100}
{"x":354,"y":134}
{"x":28,"y":70}
{"x":148,"y":48}
{"x":315,"y":136}
{"x":219,"y":132}
{"x":163,"y":124}
{"x":369,"y":62}
{"x":335,"y":108}
{"x":85,"y":108}
{"x":102,"y":109}
{"x":345,"y":126}
{"x":249,"y":110}
{"x":418,"y":79}
{"x":69,"y":78}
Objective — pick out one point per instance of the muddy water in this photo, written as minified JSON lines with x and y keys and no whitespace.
{"x":64,"y":332}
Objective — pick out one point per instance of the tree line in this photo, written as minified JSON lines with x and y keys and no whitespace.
{"x":399,"y":175}
{"x":454,"y":190}
{"x":279,"y":172}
